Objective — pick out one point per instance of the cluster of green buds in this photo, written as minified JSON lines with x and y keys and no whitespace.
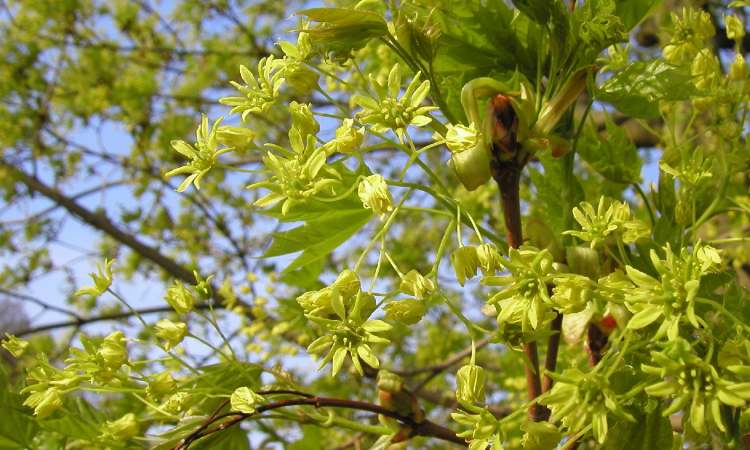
{"x":348,"y":138}
{"x":301,"y":173}
{"x":98,"y":362}
{"x":203,"y":154}
{"x":579,"y":399}
{"x":609,"y":219}
{"x":258,"y":94}
{"x":694,"y":385}
{"x":525,"y":299}
{"x":467,"y":259}
{"x":671,"y":296}
{"x":389,"y":112}
{"x":171,"y":333}
{"x":411,"y":310}
{"x":120,"y":429}
{"x":343,"y":310}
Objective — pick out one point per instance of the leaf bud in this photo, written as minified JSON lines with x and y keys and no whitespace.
{"x":15,"y":346}
{"x":735,"y":28}
{"x":121,"y":429}
{"x":389,"y":382}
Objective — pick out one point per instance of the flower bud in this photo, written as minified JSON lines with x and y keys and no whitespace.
{"x":180,"y":298}
{"x":348,"y":139}
{"x":113,"y":350}
{"x":244,"y":400}
{"x":705,"y":69}
{"x":45,"y":402}
{"x":461,"y":138}
{"x":735,"y":28}
{"x":409,"y":311}
{"x":373,"y":191}
{"x":303,"y":119}
{"x":300,"y":77}
{"x":160,"y":384}
{"x":465,"y":263}
{"x":121,"y":429}
{"x":238,"y":138}
{"x":489,"y":258}
{"x":347,"y":283}
{"x":413,"y":283}
{"x":15,"y":346}
{"x":738,"y":70}
{"x":470,"y":381}
{"x":583,"y":261}
{"x":171,"y":332}
{"x":176,"y":403}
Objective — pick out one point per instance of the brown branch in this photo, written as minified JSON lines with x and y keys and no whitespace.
{"x":447,"y":364}
{"x":424,"y":428}
{"x":81,"y":321}
{"x":507,"y":174}
{"x":553,"y":345}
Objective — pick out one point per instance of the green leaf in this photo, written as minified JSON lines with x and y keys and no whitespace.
{"x":80,"y":420}
{"x":649,"y":431}
{"x":317,"y":238}
{"x":234,"y":438}
{"x":17,"y":426}
{"x":615,"y":156}
{"x":632,"y":12}
{"x":549,"y":184}
{"x":638,"y":89}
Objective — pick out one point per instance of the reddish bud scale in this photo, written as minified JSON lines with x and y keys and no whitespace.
{"x":504,"y":126}
{"x":608,"y":323}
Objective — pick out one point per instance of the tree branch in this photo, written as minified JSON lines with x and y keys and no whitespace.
{"x":424,"y":428}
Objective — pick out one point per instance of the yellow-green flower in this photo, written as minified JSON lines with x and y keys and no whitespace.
{"x":113,"y":350}
{"x":373,"y":191}
{"x":180,"y":298}
{"x":102,"y":280}
{"x":171,"y":332}
{"x":121,"y":429}
{"x":15,"y":346}
{"x":203,"y":155}
{"x":45,"y":402}
{"x":244,"y":400}
{"x":391,"y":113}
{"x":258,"y":94}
